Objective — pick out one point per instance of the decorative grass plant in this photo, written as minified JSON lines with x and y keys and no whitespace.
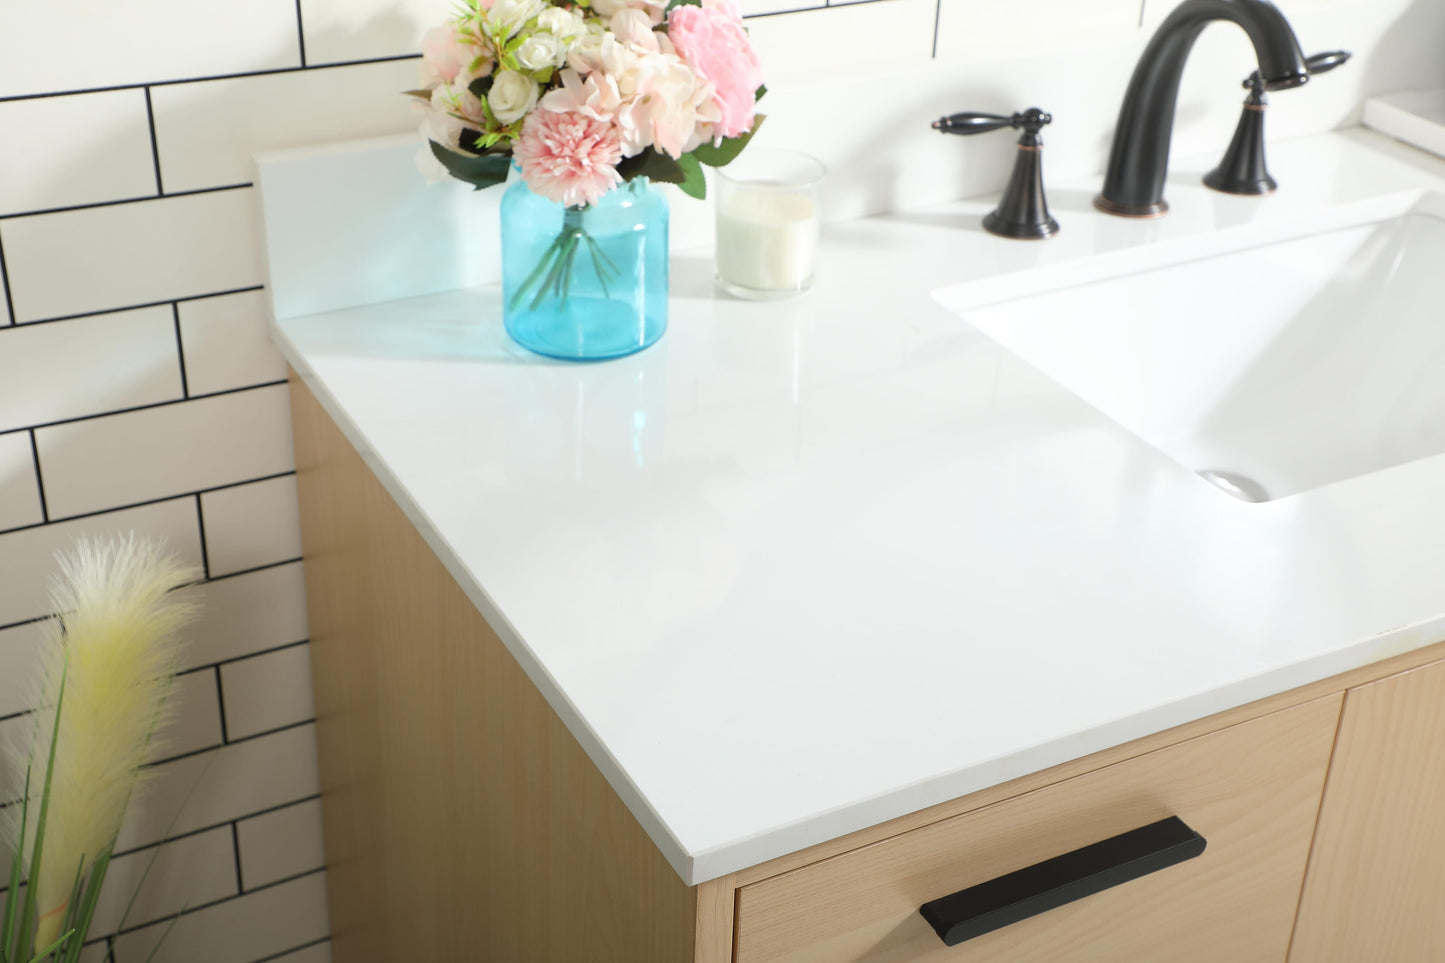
{"x":109,"y":663}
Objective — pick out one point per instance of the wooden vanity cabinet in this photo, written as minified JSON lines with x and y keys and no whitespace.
{"x":1376,"y":883}
{"x":463,"y":822}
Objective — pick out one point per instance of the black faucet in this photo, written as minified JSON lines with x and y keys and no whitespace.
{"x":1139,"y":160}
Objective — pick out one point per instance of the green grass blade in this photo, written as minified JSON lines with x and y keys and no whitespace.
{"x":160,"y":942}
{"x":7,"y":925}
{"x":165,"y":836}
{"x":542,"y":263}
{"x":595,"y":250}
{"x":24,"y":935}
{"x":52,"y":947}
{"x":80,"y":922}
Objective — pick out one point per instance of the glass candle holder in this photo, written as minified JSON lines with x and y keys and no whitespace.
{"x":767,"y":223}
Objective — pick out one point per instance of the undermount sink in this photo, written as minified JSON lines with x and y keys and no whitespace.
{"x":1270,"y":366}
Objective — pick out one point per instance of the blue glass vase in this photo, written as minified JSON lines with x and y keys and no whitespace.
{"x":583,"y":284}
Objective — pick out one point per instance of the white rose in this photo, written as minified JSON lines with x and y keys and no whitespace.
{"x":540,"y":51}
{"x":512,"y":95}
{"x":508,"y":16}
{"x":561,"y":23}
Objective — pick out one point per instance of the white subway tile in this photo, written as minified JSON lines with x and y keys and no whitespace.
{"x":15,"y":736}
{"x":267,"y":691}
{"x":20,"y":654}
{"x":19,"y":492}
{"x":82,"y":44}
{"x":281,"y":844}
{"x":99,"y":258}
{"x":753,"y":8}
{"x":338,"y":31}
{"x":196,"y":723}
{"x":96,"y":953}
{"x":87,"y":366}
{"x":986,"y":28}
{"x":248,"y":613}
{"x":789,"y":48}
{"x":319,"y":953}
{"x":27,"y":556}
{"x":207,"y":131}
{"x":252,"y":525}
{"x":187,"y":872}
{"x":225,"y":784}
{"x":227,"y":344}
{"x":107,"y":148}
{"x":251,"y":927}
{"x":155,"y":452}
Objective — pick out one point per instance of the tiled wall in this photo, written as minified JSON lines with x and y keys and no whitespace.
{"x":139,"y":391}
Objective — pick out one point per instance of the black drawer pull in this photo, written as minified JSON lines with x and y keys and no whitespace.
{"x":1043,"y":886}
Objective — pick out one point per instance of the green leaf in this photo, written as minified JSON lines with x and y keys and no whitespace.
{"x":418,"y":94}
{"x":653,"y":165}
{"x":693,"y":183}
{"x":7,"y":924}
{"x":28,"y":913}
{"x":728,"y":151}
{"x":762,"y":89}
{"x":682,"y":3}
{"x":479,"y":171}
{"x":52,"y":947}
{"x":478,"y":88}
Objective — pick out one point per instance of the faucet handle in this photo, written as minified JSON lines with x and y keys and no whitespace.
{"x":1327,"y":61}
{"x":970,"y":122}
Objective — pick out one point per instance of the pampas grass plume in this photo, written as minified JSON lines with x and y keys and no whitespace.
{"x":116,"y":642}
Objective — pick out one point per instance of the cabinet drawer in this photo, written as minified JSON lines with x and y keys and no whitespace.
{"x":1252,"y":790}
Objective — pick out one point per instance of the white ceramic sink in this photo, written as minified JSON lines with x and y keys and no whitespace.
{"x":1279,"y":365}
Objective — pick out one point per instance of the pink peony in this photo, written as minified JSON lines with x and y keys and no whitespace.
{"x":569,"y":158}
{"x":712,"y":41}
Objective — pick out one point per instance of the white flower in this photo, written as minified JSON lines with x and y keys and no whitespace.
{"x":561,"y":22}
{"x":512,"y":94}
{"x":540,"y":51}
{"x":632,"y":27}
{"x":506,"y":17}
{"x":655,"y":9}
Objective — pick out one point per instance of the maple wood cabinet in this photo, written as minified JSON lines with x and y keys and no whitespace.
{"x":463,"y":821}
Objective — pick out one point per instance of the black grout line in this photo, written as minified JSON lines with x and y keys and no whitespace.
{"x":122,"y":200}
{"x":294,"y":949}
{"x":16,"y":625}
{"x":300,"y":34}
{"x":5,"y":283}
{"x":180,"y":350}
{"x":155,"y":143}
{"x":146,"y":304}
{"x":241,"y":658}
{"x":253,"y":569}
{"x":39,"y":478}
{"x":236,"y":846}
{"x":154,"y":404}
{"x":234,"y":742}
{"x":221,"y":704}
{"x":201,"y":79}
{"x":155,"y":501}
{"x":201,"y":530}
{"x":937,"y":12}
{"x":189,"y":910}
{"x":16,"y":715}
{"x":215,"y":826}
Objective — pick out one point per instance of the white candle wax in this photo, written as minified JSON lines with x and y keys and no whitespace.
{"x":766,"y":238}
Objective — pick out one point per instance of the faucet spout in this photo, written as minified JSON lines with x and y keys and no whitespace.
{"x":1139,"y":160}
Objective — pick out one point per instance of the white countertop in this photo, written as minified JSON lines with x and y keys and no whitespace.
{"x":804,"y":567}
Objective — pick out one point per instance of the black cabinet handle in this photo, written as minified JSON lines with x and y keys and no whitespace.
{"x":1044,"y":886}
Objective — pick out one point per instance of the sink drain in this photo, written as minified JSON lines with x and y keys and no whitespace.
{"x":1240,"y":486}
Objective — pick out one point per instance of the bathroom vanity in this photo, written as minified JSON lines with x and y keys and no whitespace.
{"x":744,"y":648}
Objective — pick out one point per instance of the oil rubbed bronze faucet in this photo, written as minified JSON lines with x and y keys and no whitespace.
{"x":1139,"y":160}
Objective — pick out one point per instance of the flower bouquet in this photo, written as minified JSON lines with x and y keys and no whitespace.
{"x":591,"y":100}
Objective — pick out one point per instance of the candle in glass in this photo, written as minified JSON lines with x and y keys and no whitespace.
{"x":767,"y":223}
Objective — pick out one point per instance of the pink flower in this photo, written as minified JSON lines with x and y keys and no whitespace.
{"x":712,"y":41}
{"x":569,"y":158}
{"x":444,"y":55}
